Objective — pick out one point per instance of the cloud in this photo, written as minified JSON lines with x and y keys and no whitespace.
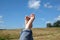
{"x":1,"y":16}
{"x":57,"y":18}
{"x":1,"y":19}
{"x":48,"y":5}
{"x":48,"y":21}
{"x":35,"y":4}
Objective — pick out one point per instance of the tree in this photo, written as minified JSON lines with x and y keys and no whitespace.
{"x":49,"y":25}
{"x":57,"y":23}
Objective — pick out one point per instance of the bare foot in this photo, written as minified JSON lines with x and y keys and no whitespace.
{"x":29,"y":20}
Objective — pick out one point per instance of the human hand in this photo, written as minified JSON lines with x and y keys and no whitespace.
{"x":28,"y":21}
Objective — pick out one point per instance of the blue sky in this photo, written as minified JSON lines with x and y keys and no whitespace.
{"x":13,"y":12}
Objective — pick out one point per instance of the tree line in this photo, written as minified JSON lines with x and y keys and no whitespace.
{"x":55,"y":24}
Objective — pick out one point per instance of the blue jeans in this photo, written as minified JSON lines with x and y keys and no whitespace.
{"x":26,"y":35}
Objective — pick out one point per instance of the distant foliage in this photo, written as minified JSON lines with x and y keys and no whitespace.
{"x":49,"y":25}
{"x":2,"y":38}
{"x":55,"y":24}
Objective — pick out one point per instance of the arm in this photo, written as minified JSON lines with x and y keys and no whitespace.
{"x":26,"y":34}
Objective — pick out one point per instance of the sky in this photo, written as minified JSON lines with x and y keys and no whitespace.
{"x":13,"y":12}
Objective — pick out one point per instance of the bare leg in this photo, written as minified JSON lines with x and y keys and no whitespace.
{"x":26,"y":34}
{"x":29,"y":20}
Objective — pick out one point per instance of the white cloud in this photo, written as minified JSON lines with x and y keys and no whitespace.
{"x":57,"y":18}
{"x":48,"y":22}
{"x":1,"y":19}
{"x":48,"y":5}
{"x":35,"y":4}
{"x":1,"y":16}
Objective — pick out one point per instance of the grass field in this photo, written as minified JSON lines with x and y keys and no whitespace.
{"x":38,"y":34}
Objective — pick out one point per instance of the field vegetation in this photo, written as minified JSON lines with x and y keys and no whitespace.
{"x":38,"y":34}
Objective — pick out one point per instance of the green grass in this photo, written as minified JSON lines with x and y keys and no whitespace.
{"x":38,"y":34}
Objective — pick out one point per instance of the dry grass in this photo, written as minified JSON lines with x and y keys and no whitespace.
{"x":38,"y":34}
{"x":46,"y":34}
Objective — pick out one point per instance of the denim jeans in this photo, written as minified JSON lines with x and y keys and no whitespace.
{"x":26,"y":35}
